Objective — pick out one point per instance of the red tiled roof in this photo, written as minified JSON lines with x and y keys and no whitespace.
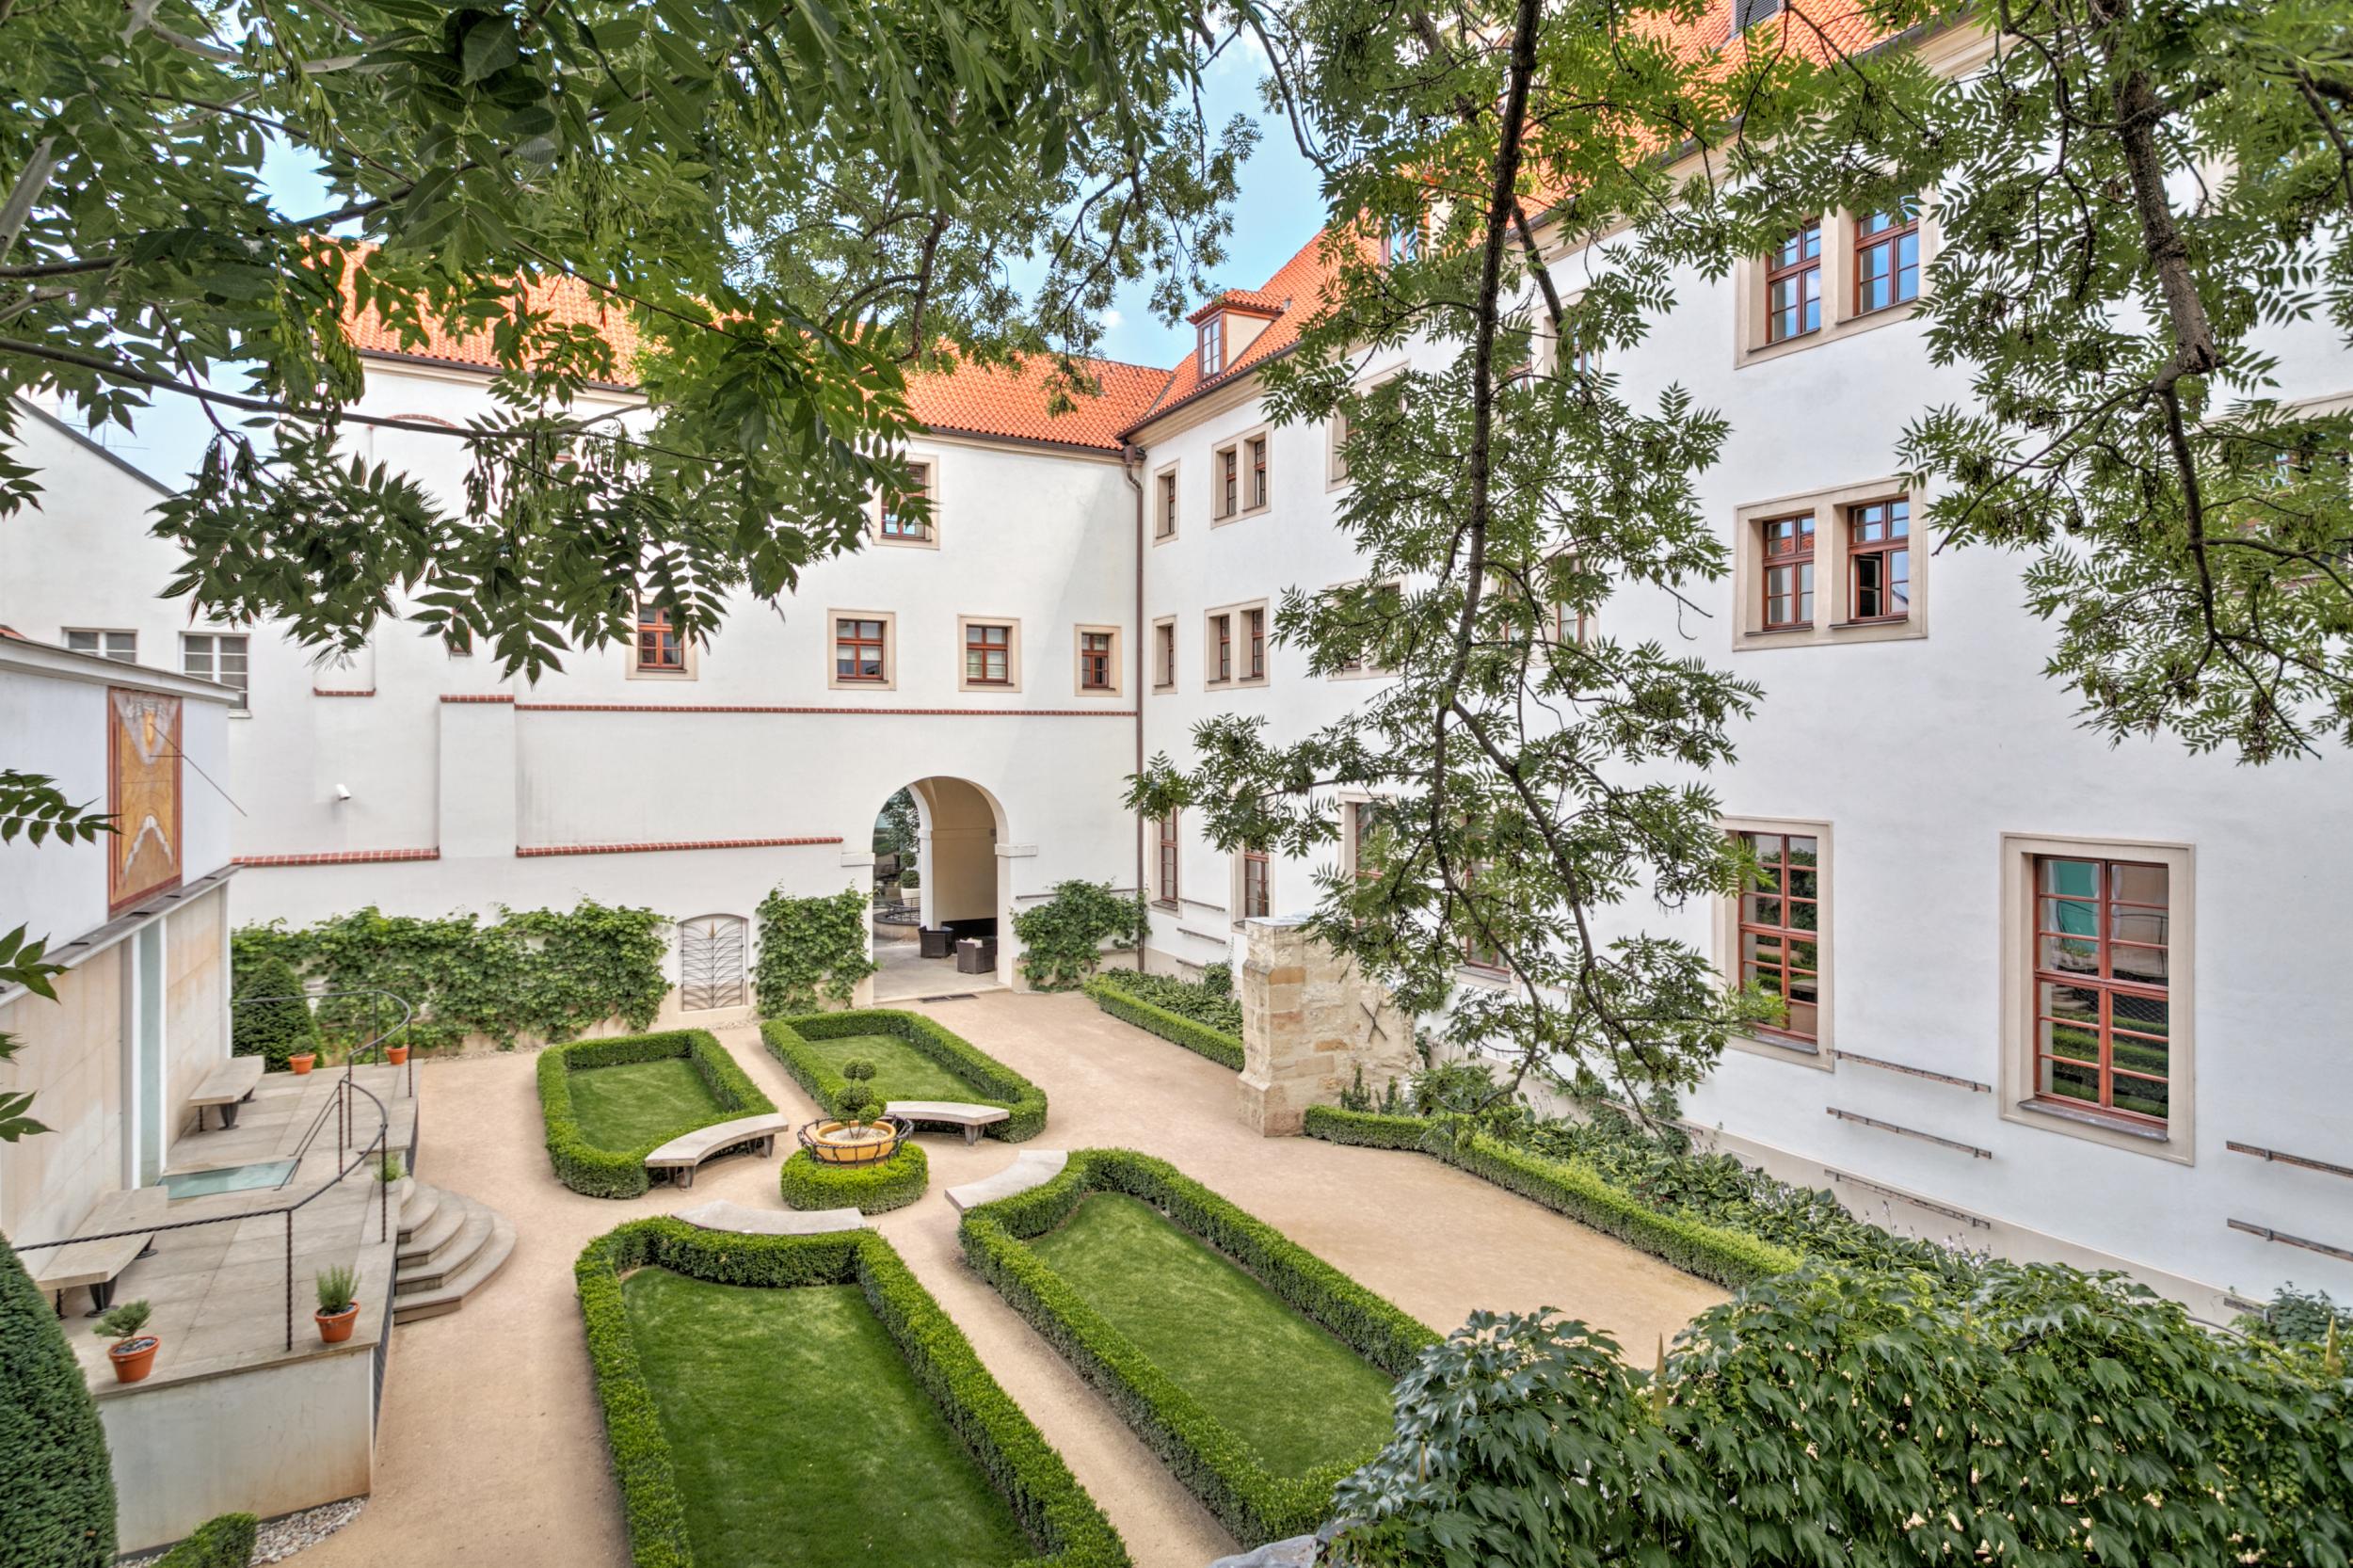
{"x":996,"y":400}
{"x":568,"y":300}
{"x":1249,"y":301}
{"x":1295,"y":290}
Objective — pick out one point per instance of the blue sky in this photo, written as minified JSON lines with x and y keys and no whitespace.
{"x":1280,"y":206}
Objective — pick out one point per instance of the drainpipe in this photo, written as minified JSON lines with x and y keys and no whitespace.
{"x":1130,"y":455}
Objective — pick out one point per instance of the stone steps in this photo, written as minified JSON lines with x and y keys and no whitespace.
{"x":450,"y":1246}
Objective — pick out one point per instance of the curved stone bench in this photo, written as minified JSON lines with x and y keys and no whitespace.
{"x":1030,"y":1168}
{"x":227,"y":1086}
{"x":681,"y":1154}
{"x":972,"y":1118}
{"x":719,"y":1214}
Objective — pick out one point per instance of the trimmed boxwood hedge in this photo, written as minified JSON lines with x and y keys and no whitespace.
{"x":875,"y":1189}
{"x":1219,"y":1046}
{"x":992,"y":1082}
{"x":602,"y":1173}
{"x":56,"y":1490}
{"x":1206,"y":1455}
{"x":1730,"y":1257}
{"x":1052,"y":1508}
{"x":223,"y":1543}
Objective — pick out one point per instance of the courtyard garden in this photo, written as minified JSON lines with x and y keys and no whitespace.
{"x":607,"y":1104}
{"x":914,"y":1057}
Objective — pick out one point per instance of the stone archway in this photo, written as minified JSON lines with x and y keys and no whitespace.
{"x":962,"y":886}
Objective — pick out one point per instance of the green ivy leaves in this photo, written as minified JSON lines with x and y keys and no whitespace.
{"x":811,"y":950}
{"x":1062,"y":938}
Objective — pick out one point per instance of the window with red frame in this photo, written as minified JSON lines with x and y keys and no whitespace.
{"x":1793,"y":285}
{"x":857,"y":649}
{"x":1255,"y":899}
{"x":1167,"y":522}
{"x":1220,"y":648}
{"x":1780,"y":931}
{"x":1255,"y":621}
{"x":987,"y":655}
{"x":899,"y":521}
{"x":1167,"y":883}
{"x":1363,"y":846}
{"x":657,"y":644}
{"x":1879,"y":560}
{"x":1887,"y":257}
{"x":2103,"y":1018}
{"x":1229,"y":481}
{"x":1165,"y":654}
{"x":1258,"y":470}
{"x":1095,"y":661}
{"x":1788,"y":548}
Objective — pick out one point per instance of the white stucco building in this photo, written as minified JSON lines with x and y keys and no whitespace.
{"x":1088,"y":594}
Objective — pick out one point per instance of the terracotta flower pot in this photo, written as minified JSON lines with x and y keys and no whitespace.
{"x":133,"y":1358}
{"x":837,"y":1142}
{"x":303,"y":1063}
{"x":396,"y":1054}
{"x":335,"y":1327}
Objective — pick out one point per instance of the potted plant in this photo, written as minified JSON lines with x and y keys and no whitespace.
{"x":398,"y":1054}
{"x":303,"y":1060}
{"x":339,"y":1307}
{"x":132,"y":1352}
{"x":860,"y":1133}
{"x":390,"y":1166}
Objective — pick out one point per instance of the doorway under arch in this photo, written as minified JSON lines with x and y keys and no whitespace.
{"x":961,"y":887}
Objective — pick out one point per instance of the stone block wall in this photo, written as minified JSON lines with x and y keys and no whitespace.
{"x":1309,"y":1020}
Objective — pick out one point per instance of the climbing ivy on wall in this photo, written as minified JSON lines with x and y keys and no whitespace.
{"x":1062,"y":939}
{"x":811,"y":950}
{"x":543,"y":973}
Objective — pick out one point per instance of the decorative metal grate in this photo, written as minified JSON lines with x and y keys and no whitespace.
{"x":711,"y":962}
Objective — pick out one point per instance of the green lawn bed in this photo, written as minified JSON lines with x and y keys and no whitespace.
{"x":641,"y":1101}
{"x":1259,"y":1373}
{"x":1186,"y":1307}
{"x":609,"y":1103}
{"x":916,"y":1058}
{"x":800,"y":1401}
{"x":800,"y":1438}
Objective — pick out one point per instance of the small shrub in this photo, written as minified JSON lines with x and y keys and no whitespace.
{"x":857,"y":1070}
{"x":812,"y":951}
{"x":223,"y":1543}
{"x":390,"y":1166}
{"x":271,"y":1029}
{"x":337,"y":1287}
{"x":2299,"y":1316}
{"x":1062,"y":939}
{"x":56,"y":1488}
{"x":992,"y":1082}
{"x":808,"y":1182}
{"x":1144,"y":1001}
{"x":598,"y":1172}
{"x":124,"y":1321}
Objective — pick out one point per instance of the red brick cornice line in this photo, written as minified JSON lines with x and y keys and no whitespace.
{"x":322,"y":691}
{"x":778,"y":708}
{"x":340,"y":857}
{"x":526,"y":850}
{"x":477,"y":696}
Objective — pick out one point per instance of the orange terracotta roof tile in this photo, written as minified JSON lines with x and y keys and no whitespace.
{"x":1296,"y":289}
{"x":1011,"y":401}
{"x":568,"y":300}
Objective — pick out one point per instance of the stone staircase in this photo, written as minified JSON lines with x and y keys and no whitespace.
{"x":449,"y":1246}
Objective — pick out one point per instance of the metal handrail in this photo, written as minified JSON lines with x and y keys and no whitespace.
{"x":376,"y":1146}
{"x":375,"y":1043}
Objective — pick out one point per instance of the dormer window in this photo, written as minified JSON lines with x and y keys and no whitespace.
{"x":1212,"y":345}
{"x":1402,"y":242}
{"x":1748,"y":13}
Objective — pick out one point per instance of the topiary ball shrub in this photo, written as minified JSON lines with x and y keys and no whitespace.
{"x":272,"y":1031}
{"x":223,"y":1543}
{"x":57,"y":1492}
{"x":875,"y":1188}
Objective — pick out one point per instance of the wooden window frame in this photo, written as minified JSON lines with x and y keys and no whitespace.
{"x":2108,"y":908}
{"x":1236,"y":645}
{"x":1164,"y":642}
{"x":1167,"y":495}
{"x":1243,"y":862}
{"x":928,"y":467}
{"x":1834,"y":573}
{"x":1889,"y":239}
{"x":1115,"y":665}
{"x":2175,"y":1138}
{"x":1257,"y":484}
{"x":966,"y":627}
{"x":1892,"y":543}
{"x":212,"y":659}
{"x":102,"y":634}
{"x":669,"y":648}
{"x":1235,"y":450}
{"x":1778,"y":271}
{"x":1781,"y":1045}
{"x":835,"y":680}
{"x":1210,"y":345}
{"x":1217,"y":645}
{"x":1168,"y":860}
{"x":1798,"y":558}
{"x":1754,"y":323}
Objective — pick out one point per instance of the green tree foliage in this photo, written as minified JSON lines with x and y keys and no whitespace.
{"x":56,"y":1490}
{"x":1062,"y":939}
{"x":261,"y":1025}
{"x":2038,"y":1415}
{"x":812,"y":951}
{"x":896,"y":827}
{"x":546,"y":973}
{"x":793,"y":206}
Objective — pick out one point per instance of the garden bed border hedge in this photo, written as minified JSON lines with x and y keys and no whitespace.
{"x":1045,"y":1498}
{"x":993,"y":1082}
{"x":1196,"y":1036}
{"x":1729,"y":1257}
{"x":1215,"y":1464}
{"x":597,"y":1171}
{"x":875,"y":1188}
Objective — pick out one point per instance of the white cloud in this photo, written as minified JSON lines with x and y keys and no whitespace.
{"x":1114,"y":321}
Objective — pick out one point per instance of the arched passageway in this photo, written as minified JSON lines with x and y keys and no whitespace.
{"x":939,"y":859}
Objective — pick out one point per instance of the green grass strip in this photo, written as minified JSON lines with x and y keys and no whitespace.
{"x":1300,"y":1397}
{"x":749,"y":1479}
{"x":813,"y":1046}
{"x":586,"y":1164}
{"x":799,"y":1437}
{"x":637,"y":1102}
{"x":1210,"y":1456}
